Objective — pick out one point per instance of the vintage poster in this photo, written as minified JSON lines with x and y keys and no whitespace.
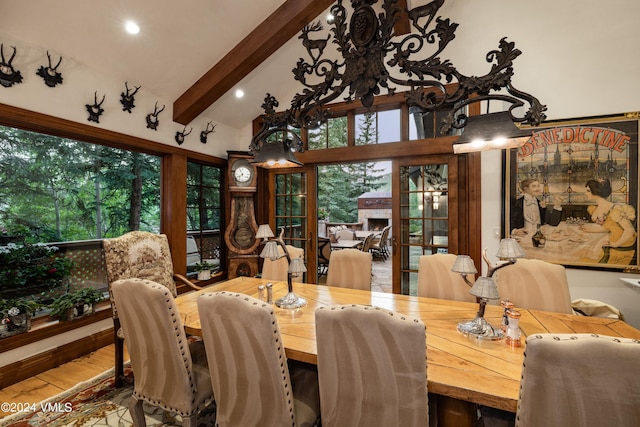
{"x":571,"y":192}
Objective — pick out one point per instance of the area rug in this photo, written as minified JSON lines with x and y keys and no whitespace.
{"x":95,"y":403}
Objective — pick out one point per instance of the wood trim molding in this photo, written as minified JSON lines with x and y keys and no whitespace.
{"x":34,"y":365}
{"x":262,"y":42}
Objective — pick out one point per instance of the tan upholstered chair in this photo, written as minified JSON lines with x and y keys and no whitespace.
{"x":535,"y":284}
{"x":143,"y":255}
{"x":169,"y":372}
{"x":248,"y":365}
{"x":350,"y":268}
{"x":436,"y":280}
{"x":278,"y":270}
{"x":345,"y":234}
{"x":372,"y":368}
{"x":579,"y":380}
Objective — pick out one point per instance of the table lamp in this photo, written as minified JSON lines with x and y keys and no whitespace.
{"x":485,"y":287}
{"x":296,"y":266}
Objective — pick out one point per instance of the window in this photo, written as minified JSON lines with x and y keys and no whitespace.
{"x":378,"y":127}
{"x":204,"y":214}
{"x":332,"y":134}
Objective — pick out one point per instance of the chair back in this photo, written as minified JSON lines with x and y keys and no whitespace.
{"x":278,"y":270}
{"x":139,"y":254}
{"x":436,"y":280}
{"x":350,"y":268}
{"x":193,"y":254}
{"x":247,"y":362}
{"x":535,"y":284}
{"x":324,"y":254}
{"x":371,"y":367}
{"x":162,"y":364}
{"x":345,"y":234}
{"x":579,"y":380}
{"x":368,"y":241}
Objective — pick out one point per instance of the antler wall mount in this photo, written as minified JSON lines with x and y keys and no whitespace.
{"x":369,"y":48}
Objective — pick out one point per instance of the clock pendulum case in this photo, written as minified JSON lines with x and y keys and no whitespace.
{"x":242,"y":227}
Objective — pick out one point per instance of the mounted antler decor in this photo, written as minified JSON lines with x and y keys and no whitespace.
{"x":369,"y":48}
{"x":180,"y":135}
{"x":152,"y":118}
{"x":8,"y":75}
{"x":50,"y":74}
{"x":95,"y":110}
{"x":206,"y":132}
{"x":128,"y":99}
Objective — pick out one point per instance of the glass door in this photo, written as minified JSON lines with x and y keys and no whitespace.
{"x":427,"y":216}
{"x":289,"y":210}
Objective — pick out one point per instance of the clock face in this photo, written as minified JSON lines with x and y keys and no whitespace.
{"x":242,"y":174}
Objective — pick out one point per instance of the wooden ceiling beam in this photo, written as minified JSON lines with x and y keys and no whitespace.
{"x":263,"y":41}
{"x":402,"y":25}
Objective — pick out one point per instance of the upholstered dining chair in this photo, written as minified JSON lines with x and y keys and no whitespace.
{"x":345,"y":234}
{"x":372,"y":367}
{"x":278,"y":270}
{"x":169,"y":371}
{"x":535,"y":284}
{"x":579,"y":380}
{"x":436,"y":280}
{"x":250,"y":375}
{"x":350,"y":268}
{"x":143,"y":255}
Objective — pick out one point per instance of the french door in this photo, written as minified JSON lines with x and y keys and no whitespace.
{"x":425,"y":218}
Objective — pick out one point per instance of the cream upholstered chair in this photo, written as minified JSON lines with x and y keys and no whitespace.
{"x":345,"y":234}
{"x":143,"y":255}
{"x":350,"y":268}
{"x":248,"y":365}
{"x":535,"y":284}
{"x":436,"y":280}
{"x":278,"y":270}
{"x":372,"y":367}
{"x":169,"y":372}
{"x":579,"y":380}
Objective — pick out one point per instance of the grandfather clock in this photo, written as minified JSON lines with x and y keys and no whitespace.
{"x":242,"y":227}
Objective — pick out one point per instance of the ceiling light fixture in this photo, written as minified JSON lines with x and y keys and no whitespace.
{"x":132,"y":27}
{"x":239,"y":93}
{"x":374,"y":57}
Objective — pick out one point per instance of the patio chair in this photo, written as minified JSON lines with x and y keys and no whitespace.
{"x":324,"y":254}
{"x":379,"y":245}
{"x":143,"y":255}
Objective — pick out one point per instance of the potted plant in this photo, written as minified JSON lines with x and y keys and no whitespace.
{"x":15,"y":315}
{"x":73,"y":305}
{"x":204,"y":270}
{"x":30,"y":269}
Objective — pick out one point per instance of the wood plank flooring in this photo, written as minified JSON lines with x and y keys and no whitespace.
{"x":57,"y":380}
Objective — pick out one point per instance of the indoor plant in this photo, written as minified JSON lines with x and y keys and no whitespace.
{"x":72,"y":305}
{"x":204,"y":270}
{"x":29,"y":269}
{"x":15,"y":315}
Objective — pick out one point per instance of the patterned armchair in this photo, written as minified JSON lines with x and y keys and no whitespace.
{"x":143,"y":255}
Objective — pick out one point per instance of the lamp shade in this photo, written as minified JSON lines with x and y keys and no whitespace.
{"x":264,"y":232}
{"x":464,"y":265}
{"x":297,"y":266}
{"x":492,"y":131}
{"x":485,"y":287}
{"x":270,"y":250}
{"x":276,"y":155}
{"x":510,"y":249}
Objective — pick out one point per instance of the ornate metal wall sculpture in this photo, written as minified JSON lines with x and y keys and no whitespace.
{"x":369,"y":47}
{"x":50,"y":74}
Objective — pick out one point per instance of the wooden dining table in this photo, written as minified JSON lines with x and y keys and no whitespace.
{"x":460,"y":368}
{"x":345,"y":244}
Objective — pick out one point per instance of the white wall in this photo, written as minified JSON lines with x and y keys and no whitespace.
{"x":579,"y":58}
{"x":68,"y":101}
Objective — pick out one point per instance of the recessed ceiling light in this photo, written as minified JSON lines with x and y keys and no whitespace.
{"x":132,"y":27}
{"x":239,"y":93}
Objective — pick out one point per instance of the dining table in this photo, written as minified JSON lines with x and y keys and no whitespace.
{"x":462,"y":371}
{"x":345,"y":244}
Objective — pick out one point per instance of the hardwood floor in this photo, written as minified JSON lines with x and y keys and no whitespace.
{"x":57,"y":380}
